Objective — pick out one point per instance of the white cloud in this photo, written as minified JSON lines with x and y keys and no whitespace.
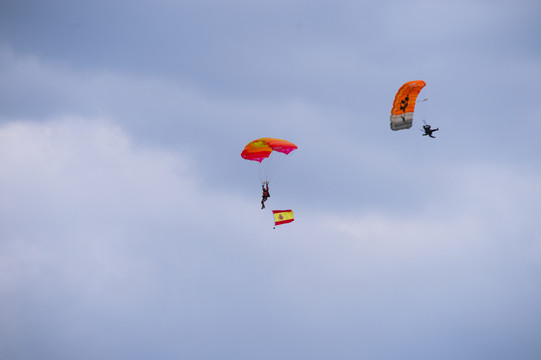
{"x":80,"y":197}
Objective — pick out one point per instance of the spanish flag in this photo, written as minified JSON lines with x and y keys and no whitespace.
{"x":282,"y":216}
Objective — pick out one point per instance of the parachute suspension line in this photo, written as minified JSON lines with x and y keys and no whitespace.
{"x":279,"y":162}
{"x":263,"y":169}
{"x":261,"y":173}
{"x":269,"y":167}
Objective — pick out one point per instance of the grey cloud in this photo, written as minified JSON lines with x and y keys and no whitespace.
{"x":131,"y":227}
{"x":145,"y":261}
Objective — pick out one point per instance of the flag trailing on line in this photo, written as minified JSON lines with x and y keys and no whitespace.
{"x":282,"y":216}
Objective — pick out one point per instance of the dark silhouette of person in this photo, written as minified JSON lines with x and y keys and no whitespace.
{"x":266,"y":193}
{"x":429,"y":131}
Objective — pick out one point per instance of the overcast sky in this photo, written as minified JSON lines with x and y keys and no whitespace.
{"x":131,"y":228}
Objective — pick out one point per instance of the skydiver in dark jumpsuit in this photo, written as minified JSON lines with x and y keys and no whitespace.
{"x":266,"y":193}
{"x":429,"y":131}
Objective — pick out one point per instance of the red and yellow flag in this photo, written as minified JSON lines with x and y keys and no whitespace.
{"x":282,"y":216}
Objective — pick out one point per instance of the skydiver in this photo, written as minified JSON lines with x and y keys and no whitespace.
{"x":429,"y":131}
{"x":266,"y":194}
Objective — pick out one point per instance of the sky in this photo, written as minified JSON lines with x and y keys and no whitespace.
{"x":131,"y":227}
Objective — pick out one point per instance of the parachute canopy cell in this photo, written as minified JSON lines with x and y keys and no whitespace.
{"x":404,"y":104}
{"x":260,"y":149}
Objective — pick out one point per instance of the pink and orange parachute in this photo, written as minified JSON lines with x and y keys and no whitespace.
{"x":404,"y":104}
{"x":260,"y":149}
{"x":270,"y":153}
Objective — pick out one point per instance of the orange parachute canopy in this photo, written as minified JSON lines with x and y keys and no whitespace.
{"x":260,"y":149}
{"x":404,"y":104}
